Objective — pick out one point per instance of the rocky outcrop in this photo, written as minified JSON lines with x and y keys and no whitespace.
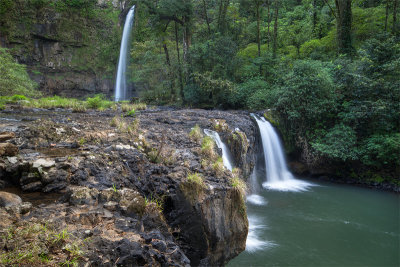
{"x":129,"y":190}
{"x":69,"y":50}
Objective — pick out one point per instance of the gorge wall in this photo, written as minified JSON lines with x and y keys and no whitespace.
{"x":70,"y":47}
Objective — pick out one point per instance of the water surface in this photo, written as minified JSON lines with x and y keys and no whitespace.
{"x":327,"y":225}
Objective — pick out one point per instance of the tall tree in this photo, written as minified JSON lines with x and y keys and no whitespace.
{"x":206,"y":16}
{"x":257,"y":6}
{"x":394,"y":29}
{"x":268,"y":22}
{"x":223,"y":9}
{"x":275,"y":40}
{"x":343,"y":26}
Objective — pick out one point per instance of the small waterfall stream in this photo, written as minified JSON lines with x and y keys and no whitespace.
{"x":120,"y":83}
{"x":226,"y":153}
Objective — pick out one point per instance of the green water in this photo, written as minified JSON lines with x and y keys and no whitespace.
{"x":328,"y":225}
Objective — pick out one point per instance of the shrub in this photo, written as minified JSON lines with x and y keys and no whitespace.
{"x":16,"y":98}
{"x":196,"y":178}
{"x":207,"y":147}
{"x":239,"y":97}
{"x":131,"y":113}
{"x":218,"y":166}
{"x":14,"y":79}
{"x":195,"y":134}
{"x":338,"y":143}
{"x":98,"y":102}
{"x":239,"y":184}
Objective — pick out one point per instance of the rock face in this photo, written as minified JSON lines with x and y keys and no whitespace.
{"x":129,"y":191}
{"x":69,"y":50}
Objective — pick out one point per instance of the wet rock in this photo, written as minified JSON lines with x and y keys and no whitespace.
{"x":7,"y":149}
{"x":32,"y":187}
{"x":9,"y":199}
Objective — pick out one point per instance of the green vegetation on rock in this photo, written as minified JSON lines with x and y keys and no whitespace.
{"x":13,"y":77}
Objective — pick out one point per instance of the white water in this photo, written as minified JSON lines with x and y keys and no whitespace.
{"x":226,"y":153}
{"x":253,"y":243}
{"x":278,"y":177}
{"x":120,"y":83}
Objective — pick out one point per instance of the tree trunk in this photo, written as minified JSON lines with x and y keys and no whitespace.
{"x":394,"y":30}
{"x":314,"y":21}
{"x":275,"y":40}
{"x":179,"y":62}
{"x":387,"y":14}
{"x":169,"y":71}
{"x":258,"y":28}
{"x":223,"y":8}
{"x":206,"y":17}
{"x":269,"y":22}
{"x":343,"y":26}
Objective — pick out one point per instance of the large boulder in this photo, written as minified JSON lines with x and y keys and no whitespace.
{"x":9,"y":199}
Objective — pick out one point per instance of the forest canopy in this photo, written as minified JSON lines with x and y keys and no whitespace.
{"x":328,"y":70}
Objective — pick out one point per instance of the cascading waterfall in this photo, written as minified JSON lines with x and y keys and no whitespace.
{"x":120,"y":83}
{"x":277,"y":174}
{"x":226,"y":153}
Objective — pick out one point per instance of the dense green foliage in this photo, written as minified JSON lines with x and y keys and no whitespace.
{"x":284,"y":56}
{"x":14,"y":79}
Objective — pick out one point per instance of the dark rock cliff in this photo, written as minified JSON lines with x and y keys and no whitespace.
{"x":115,"y":190}
{"x":69,"y":50}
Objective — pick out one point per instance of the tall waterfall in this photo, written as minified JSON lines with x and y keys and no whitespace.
{"x":278,"y":177}
{"x":226,"y":153}
{"x":120,"y":83}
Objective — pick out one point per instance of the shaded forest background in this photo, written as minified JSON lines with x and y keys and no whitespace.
{"x":328,"y":71}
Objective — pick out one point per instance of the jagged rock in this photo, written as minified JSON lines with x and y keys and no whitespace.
{"x":43,"y":163}
{"x":4,"y":136}
{"x":28,"y":178}
{"x":83,"y":195}
{"x":111,"y":205}
{"x":7,"y":149}
{"x":25,"y":207}
{"x":9,"y":199}
{"x":32,"y":187}
{"x":12,"y":160}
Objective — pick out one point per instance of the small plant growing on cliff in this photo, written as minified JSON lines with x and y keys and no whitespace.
{"x":196,"y":178}
{"x":195,"y":134}
{"x":114,"y":122}
{"x":82,"y":141}
{"x":218,"y":166}
{"x":131,"y":113}
{"x":207,"y":148}
{"x":239,"y":184}
{"x":114,"y":188}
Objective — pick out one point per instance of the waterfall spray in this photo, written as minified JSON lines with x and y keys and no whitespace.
{"x":120,"y":83}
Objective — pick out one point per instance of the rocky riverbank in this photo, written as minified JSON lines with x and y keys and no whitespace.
{"x":120,"y":188}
